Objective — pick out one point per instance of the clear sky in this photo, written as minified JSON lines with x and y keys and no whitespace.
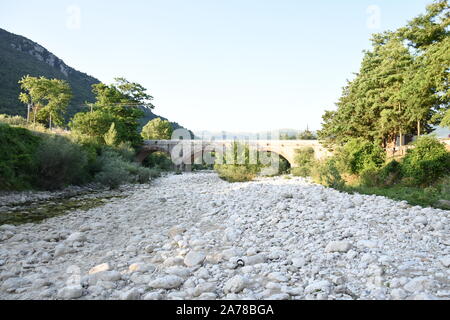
{"x":236,"y":65}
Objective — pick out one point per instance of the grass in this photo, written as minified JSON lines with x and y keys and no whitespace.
{"x":416,"y":196}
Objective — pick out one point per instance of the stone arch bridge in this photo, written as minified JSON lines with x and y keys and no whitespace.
{"x":188,"y":152}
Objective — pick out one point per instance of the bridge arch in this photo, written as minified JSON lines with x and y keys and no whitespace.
{"x":148,"y":150}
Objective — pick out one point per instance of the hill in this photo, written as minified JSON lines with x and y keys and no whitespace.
{"x":20,"y":56}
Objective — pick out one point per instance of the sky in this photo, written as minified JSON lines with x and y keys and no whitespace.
{"x":234,"y":65}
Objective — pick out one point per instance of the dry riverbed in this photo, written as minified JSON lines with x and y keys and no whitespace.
{"x":194,"y":236}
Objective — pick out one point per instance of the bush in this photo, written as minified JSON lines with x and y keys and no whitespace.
{"x":426,"y":162}
{"x":370,"y":177}
{"x":114,"y":170}
{"x":60,"y":163}
{"x":17,"y":163}
{"x":158,"y":160}
{"x":327,"y":174}
{"x":235,"y":173}
{"x":305,"y":161}
{"x":13,"y":120}
{"x":358,"y":155}
{"x":391,"y":173}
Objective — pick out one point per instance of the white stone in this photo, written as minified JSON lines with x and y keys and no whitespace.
{"x":132,"y":294}
{"x":152,"y":296}
{"x":298,"y":262}
{"x":173,"y":261}
{"x":167,"y":282}
{"x":445,"y":261}
{"x":371,"y":244}
{"x":421,"y":220}
{"x":338,"y":246}
{"x":110,"y":275}
{"x":399,"y":294}
{"x":194,"y":258}
{"x":418,"y":284}
{"x":70,"y":292}
{"x":256,"y":259}
{"x":277,"y":276}
{"x":141,"y":267}
{"x":179,"y":271}
{"x":235,"y":284}
{"x":76,"y":237}
{"x":204,"y":288}
{"x":318,"y":286}
{"x":99,"y":268}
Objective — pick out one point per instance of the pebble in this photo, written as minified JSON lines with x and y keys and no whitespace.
{"x":167,"y":282}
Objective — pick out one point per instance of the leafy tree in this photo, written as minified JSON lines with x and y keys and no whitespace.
{"x":120,"y":103}
{"x":93,"y":126}
{"x":49,"y":98}
{"x":306,"y":135}
{"x":402,"y":86}
{"x":157,"y":129}
{"x":427,"y":161}
{"x":446,"y":121}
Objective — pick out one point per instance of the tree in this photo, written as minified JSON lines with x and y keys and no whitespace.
{"x":48,"y":97}
{"x":446,"y":121}
{"x":93,"y":126}
{"x":120,"y":103}
{"x":157,"y":129}
{"x":402,"y":86}
{"x":306,"y":135}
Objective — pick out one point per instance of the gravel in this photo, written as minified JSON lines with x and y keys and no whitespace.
{"x":274,"y":238}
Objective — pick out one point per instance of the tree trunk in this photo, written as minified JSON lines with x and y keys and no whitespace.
{"x":28,"y":113}
{"x":418,"y":129}
{"x":51,"y":122}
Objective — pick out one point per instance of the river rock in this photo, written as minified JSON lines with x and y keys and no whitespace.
{"x":235,"y":284}
{"x":194,"y":258}
{"x":338,"y":246}
{"x":70,"y":292}
{"x":167,"y":282}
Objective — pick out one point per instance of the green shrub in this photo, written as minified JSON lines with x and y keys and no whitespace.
{"x":13,"y":120}
{"x":359,"y":154}
{"x":370,"y":177}
{"x":114,"y":170}
{"x":158,"y":160}
{"x":305,"y":162}
{"x":60,"y":163}
{"x":391,"y":173}
{"x":235,"y":173}
{"x":327,"y":174}
{"x":426,"y":162}
{"x":17,"y":163}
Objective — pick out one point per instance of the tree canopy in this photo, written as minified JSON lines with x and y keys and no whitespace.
{"x":120,"y":103}
{"x":49,"y":98}
{"x":402,"y":86}
{"x":157,"y":129}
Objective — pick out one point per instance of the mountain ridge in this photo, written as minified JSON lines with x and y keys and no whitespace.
{"x":20,"y":56}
